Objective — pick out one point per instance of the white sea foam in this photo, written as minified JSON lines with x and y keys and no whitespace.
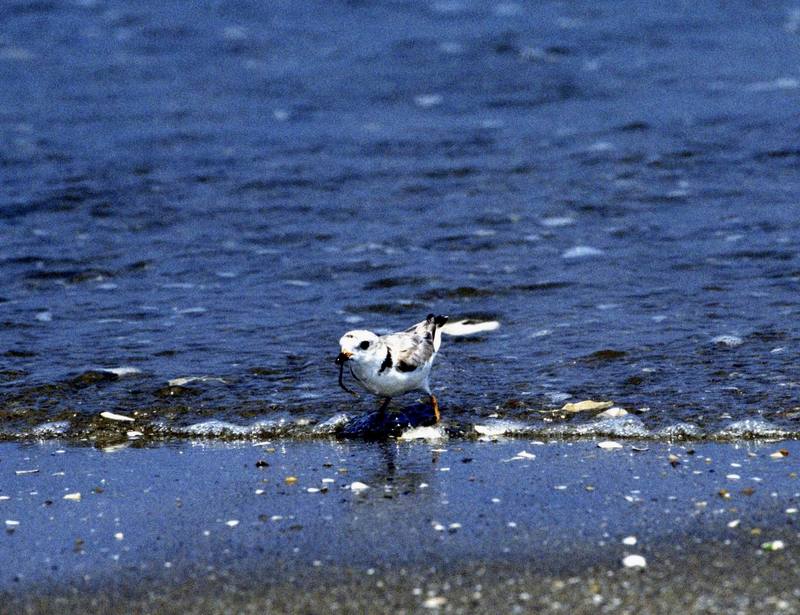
{"x":679,"y":430}
{"x":753,"y":428}
{"x":728,"y":340}
{"x":493,"y":428}
{"x":54,"y":428}
{"x":330,"y":425}
{"x":582,"y":252}
{"x":216,"y":428}
{"x":121,"y":371}
{"x":557,"y":221}
{"x":428,"y":100}
{"x":623,"y":427}
{"x":782,"y":83}
{"x":423,"y":433}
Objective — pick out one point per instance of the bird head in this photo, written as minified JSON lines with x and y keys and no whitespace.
{"x":357,"y":345}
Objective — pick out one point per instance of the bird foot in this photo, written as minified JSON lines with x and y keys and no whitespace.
{"x":435,"y":405}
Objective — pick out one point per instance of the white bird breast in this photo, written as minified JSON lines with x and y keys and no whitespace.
{"x":391,"y":382}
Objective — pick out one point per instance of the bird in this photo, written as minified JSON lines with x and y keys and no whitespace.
{"x":397,"y":363}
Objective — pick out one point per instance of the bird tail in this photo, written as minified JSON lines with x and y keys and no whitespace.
{"x":468,"y":327}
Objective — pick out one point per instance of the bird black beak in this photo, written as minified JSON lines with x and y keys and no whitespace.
{"x":343,"y":357}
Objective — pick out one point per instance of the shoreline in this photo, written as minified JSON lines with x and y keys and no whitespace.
{"x":173,"y":526}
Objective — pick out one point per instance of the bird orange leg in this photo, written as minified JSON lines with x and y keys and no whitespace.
{"x":435,"y":404}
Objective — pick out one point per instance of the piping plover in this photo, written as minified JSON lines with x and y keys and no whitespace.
{"x":396,"y":363}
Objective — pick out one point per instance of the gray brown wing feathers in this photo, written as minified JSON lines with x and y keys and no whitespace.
{"x":416,"y":345}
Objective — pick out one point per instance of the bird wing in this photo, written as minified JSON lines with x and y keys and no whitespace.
{"x":414,"y":346}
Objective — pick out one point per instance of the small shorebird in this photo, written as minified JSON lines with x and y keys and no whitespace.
{"x":396,"y":363}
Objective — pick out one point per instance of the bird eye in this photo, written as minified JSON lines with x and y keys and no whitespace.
{"x":364,"y":345}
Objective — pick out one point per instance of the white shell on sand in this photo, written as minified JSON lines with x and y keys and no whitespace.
{"x":612,"y":413}
{"x":634,"y":561}
{"x":115,"y":417}
{"x":588,"y":404}
{"x":609,"y":445}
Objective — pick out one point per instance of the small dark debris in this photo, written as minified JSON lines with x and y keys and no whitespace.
{"x":174,"y":391}
{"x":607,"y":354}
{"x":92,"y":377}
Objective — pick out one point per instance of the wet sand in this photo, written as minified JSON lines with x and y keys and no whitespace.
{"x":451,"y":525}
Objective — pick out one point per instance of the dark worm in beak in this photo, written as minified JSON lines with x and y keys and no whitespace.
{"x":340,"y":361}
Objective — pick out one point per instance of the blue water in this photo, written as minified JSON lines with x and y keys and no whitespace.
{"x":222,"y":189}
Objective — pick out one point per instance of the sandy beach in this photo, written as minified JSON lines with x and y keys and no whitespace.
{"x":510,"y":526}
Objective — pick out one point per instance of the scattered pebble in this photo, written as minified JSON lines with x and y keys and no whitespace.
{"x":259,"y":492}
{"x":313,"y":490}
{"x":119,"y":535}
{"x":22,"y":472}
{"x":634,"y":561}
{"x":74,"y":497}
{"x":734,"y":524}
{"x":290,"y":480}
{"x":773,"y":545}
{"x":357,"y":486}
{"x":11,"y":523}
{"x":232,"y":523}
{"x":791,"y":511}
{"x":780,"y":454}
{"x":609,"y":445}
{"x":629,"y":540}
{"x":434,"y":602}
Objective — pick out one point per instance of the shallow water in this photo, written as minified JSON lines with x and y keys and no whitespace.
{"x":222,"y":190}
